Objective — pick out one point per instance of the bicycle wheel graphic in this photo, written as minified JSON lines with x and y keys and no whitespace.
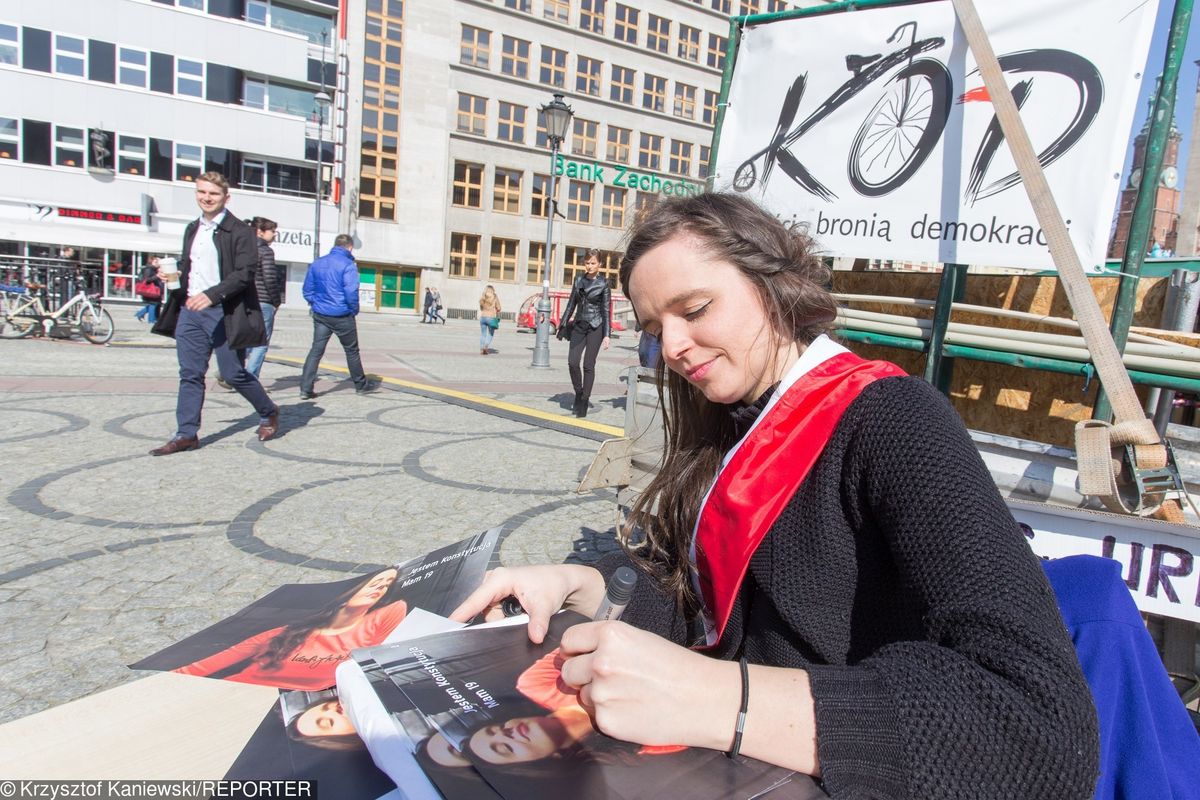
{"x":901,"y":130}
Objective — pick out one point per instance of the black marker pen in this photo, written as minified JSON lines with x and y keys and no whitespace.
{"x":616,"y":594}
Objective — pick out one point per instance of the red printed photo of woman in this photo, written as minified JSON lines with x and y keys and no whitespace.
{"x":305,"y":653}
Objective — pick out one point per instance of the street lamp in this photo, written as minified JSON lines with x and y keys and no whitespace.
{"x":557,"y":115}
{"x":321,"y":101}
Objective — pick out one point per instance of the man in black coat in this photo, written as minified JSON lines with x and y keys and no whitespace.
{"x":215,"y":310}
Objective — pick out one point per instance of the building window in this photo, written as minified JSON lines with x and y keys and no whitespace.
{"x":721,"y":6}
{"x":554,"y":67}
{"x":503,"y":264}
{"x":10,"y":46}
{"x":685,"y":101}
{"x":68,"y":147}
{"x":257,"y":12}
{"x":681,"y":157}
{"x":621,"y":89}
{"x":472,"y":114}
{"x":689,"y":43}
{"x":468,"y":185}
{"x":618,"y":144}
{"x":650,"y":152}
{"x":476,"y":46}
{"x":131,"y":155}
{"x":539,"y":197}
{"x":133,"y":67}
{"x":705,"y":154}
{"x":10,"y":138}
{"x":575,"y":258}
{"x":612,"y":207}
{"x":189,"y":77}
{"x":189,"y":162}
{"x":68,"y":55}
{"x":514,"y":57}
{"x":518,"y":5}
{"x":537,"y":262}
{"x":654,"y":92}
{"x":591,"y":15}
{"x":748,"y":7}
{"x":716,"y":51}
{"x":464,"y":255}
{"x":254,"y":93}
{"x":775,"y":6}
{"x":709,"y":115}
{"x":254,"y":177}
{"x":557,"y":10}
{"x":583,"y":137}
{"x":587,"y":76}
{"x":506,"y":191}
{"x":658,"y":34}
{"x":511,"y":125}
{"x":579,"y":202}
{"x":625,"y":25}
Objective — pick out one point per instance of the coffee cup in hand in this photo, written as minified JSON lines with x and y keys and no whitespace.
{"x":169,"y":272}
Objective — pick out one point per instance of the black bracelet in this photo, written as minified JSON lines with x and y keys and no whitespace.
{"x":741,"y":717}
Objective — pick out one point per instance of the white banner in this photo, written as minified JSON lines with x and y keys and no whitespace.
{"x":873,"y":127}
{"x":1160,"y":561}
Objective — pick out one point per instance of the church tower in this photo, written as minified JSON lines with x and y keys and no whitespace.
{"x":1164,"y":228}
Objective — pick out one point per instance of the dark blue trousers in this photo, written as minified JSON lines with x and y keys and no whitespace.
{"x":198,"y":336}
{"x":347,"y":332}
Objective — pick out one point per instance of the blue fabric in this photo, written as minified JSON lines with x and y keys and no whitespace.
{"x":198,"y":336}
{"x":255,"y":355}
{"x":1149,"y":749}
{"x":331,"y":285}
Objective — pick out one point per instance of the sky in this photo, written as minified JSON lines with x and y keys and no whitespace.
{"x":1186,"y":89}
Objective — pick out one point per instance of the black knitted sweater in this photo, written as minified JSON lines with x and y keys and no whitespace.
{"x":898,"y":579}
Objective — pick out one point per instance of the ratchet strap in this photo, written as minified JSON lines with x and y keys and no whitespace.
{"x":1100,"y":446}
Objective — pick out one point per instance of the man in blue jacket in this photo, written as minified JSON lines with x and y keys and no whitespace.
{"x":331,"y":289}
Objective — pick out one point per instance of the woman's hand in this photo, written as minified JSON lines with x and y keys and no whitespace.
{"x":604,"y":343}
{"x":642,"y":688}
{"x":541,"y":591}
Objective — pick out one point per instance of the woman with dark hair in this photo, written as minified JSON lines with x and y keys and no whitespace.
{"x":590,"y":303}
{"x":305,"y":653}
{"x":325,"y":724}
{"x":824,"y":531}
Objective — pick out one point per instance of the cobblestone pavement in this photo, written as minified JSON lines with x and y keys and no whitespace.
{"x":108,"y":554}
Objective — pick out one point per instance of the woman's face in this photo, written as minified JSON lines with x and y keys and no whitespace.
{"x":373,"y":590}
{"x":591,"y":267}
{"x":519,"y":740}
{"x":324,"y":719}
{"x":443,"y":752}
{"x":714,"y":330}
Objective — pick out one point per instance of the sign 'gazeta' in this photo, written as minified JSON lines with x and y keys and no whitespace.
{"x":618,"y":175}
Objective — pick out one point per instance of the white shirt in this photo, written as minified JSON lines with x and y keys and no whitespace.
{"x":206,"y":269}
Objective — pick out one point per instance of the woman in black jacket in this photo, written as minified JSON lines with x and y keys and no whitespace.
{"x":590,"y":302}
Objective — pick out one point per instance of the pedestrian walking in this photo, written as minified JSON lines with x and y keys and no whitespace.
{"x":489,"y":318}
{"x":215,"y":310}
{"x":435,"y":310}
{"x":150,"y":289}
{"x":331,"y":289}
{"x":268,"y":280}
{"x":427,"y":307}
{"x":588,"y":329}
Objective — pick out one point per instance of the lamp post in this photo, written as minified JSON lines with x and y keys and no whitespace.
{"x":321,"y":101}
{"x":558,"y":116}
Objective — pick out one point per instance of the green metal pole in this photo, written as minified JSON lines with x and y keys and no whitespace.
{"x":731,"y":48}
{"x":1143,"y":208}
{"x":938,"y":368}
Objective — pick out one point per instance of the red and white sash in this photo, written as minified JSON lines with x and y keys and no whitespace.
{"x":765,"y":470}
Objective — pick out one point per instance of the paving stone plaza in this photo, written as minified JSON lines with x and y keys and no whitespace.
{"x":108,"y":555}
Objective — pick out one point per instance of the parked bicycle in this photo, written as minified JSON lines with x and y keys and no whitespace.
{"x":23,"y":314}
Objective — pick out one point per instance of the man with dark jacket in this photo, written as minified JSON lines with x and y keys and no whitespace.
{"x":267,"y":281}
{"x":331,"y":289}
{"x":214,"y":310}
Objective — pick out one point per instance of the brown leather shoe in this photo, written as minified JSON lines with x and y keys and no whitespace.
{"x":270,"y":428}
{"x":177,"y":445}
